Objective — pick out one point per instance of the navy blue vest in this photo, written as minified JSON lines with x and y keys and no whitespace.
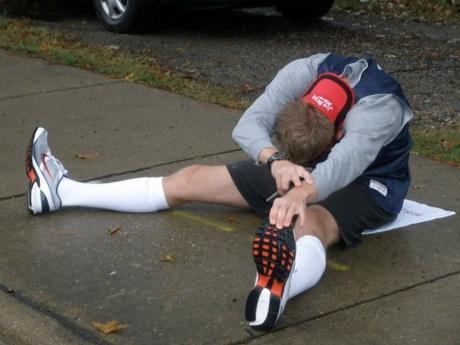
{"x":391,"y":166}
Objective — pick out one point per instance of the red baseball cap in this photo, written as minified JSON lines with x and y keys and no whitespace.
{"x":332,"y":96}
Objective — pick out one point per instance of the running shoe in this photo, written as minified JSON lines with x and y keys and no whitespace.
{"x":274,"y":255}
{"x":44,"y":173}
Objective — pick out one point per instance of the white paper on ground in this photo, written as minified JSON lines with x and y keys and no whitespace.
{"x":412,"y":212}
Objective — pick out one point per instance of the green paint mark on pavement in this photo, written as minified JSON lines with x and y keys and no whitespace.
{"x":337,"y":266}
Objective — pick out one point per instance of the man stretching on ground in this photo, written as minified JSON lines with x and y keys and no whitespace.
{"x":340,"y":167}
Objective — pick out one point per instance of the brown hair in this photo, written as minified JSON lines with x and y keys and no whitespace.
{"x":303,"y":132}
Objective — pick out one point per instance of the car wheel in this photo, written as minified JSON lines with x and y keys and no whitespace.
{"x":304,"y":10}
{"x":124,"y":15}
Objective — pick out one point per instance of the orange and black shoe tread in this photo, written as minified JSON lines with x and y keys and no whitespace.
{"x":274,"y":254}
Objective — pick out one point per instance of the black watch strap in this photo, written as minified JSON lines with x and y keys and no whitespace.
{"x":277,"y":156}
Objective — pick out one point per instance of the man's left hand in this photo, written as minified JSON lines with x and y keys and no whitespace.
{"x":287,"y":173}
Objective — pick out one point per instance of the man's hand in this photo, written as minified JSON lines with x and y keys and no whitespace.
{"x":286,"y":172}
{"x":293,"y":203}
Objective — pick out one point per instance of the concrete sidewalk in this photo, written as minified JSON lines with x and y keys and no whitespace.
{"x":61,"y":272}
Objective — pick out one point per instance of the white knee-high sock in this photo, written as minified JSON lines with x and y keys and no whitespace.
{"x":135,"y":195}
{"x":310,"y":264}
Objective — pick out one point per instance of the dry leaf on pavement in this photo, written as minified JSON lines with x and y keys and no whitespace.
{"x":109,"y":327}
{"x":88,"y":156}
{"x":114,"y":230}
{"x":167,"y":258}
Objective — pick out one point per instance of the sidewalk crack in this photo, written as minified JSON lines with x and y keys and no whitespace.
{"x":64,"y":321}
{"x":110,"y":82}
{"x":106,"y":176}
{"x":345,"y":308}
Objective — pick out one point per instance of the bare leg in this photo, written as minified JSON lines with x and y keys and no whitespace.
{"x":50,"y":188}
{"x":321,"y":224}
{"x":211,"y":184}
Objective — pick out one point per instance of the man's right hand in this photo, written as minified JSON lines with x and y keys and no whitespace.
{"x":286,"y":172}
{"x":293,"y":203}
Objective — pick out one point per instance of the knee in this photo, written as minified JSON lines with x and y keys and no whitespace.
{"x":313,"y":227}
{"x":177,"y":184}
{"x":319,"y":223}
{"x":185,"y":176}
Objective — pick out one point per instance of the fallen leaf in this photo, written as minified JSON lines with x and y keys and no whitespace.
{"x":446,"y":145}
{"x":114,"y":230}
{"x":113,"y":47}
{"x":248,"y":87}
{"x":167,"y":258}
{"x":130,"y":77}
{"x":88,"y":156}
{"x":390,"y":56}
{"x":109,"y":327}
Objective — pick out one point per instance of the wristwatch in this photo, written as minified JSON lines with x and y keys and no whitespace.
{"x":277,"y":156}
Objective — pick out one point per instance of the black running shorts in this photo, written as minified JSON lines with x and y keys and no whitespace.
{"x":353,"y":207}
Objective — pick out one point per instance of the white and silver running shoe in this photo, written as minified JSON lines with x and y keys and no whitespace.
{"x":44,"y":173}
{"x":274,"y":255}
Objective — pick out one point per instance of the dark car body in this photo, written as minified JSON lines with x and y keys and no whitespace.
{"x":131,"y":15}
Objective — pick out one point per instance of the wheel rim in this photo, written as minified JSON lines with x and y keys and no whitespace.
{"x":114,"y":9}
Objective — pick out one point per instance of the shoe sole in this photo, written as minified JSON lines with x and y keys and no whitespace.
{"x":35,"y":191}
{"x":274,"y":254}
{"x":30,"y":170}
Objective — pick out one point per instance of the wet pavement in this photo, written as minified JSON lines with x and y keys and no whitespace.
{"x":182,"y":276}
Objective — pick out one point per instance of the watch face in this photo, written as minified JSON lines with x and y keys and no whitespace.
{"x":279,"y":156}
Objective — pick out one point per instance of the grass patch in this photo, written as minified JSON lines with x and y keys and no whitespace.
{"x":422,"y":10}
{"x":439,"y":144}
{"x":21,"y":37}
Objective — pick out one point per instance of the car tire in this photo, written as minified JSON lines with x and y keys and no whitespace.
{"x":304,"y":10}
{"x":125,"y":16}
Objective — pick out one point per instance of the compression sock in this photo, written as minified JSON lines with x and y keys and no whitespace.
{"x":137,"y":195}
{"x":310,"y":264}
